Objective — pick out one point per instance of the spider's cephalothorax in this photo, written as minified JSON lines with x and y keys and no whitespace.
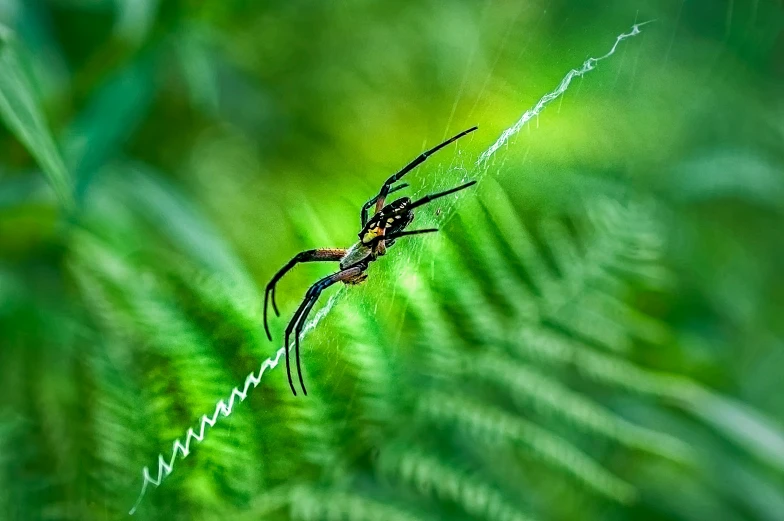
{"x":379,"y":232}
{"x":392,"y":218}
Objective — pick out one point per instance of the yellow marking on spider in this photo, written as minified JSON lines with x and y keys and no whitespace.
{"x":372,"y":233}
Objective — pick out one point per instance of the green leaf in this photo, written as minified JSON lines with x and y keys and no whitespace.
{"x":742,"y":424}
{"x":114,"y":113}
{"x":22,"y":113}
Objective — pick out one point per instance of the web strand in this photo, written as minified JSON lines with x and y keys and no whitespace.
{"x":587,"y":66}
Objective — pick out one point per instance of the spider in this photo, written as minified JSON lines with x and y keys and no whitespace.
{"x":378,"y":233}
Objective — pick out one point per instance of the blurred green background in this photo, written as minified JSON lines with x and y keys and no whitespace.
{"x":595,"y":334}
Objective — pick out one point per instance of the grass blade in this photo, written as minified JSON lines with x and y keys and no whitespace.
{"x":21,"y":111}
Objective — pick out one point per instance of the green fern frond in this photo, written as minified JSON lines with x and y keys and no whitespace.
{"x":377,"y":373}
{"x":430,"y":476}
{"x":317,"y":504}
{"x":181,"y":380}
{"x":531,"y":389}
{"x":488,"y":425}
{"x":553,"y":349}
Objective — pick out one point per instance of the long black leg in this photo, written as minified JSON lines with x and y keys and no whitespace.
{"x":294,"y":320}
{"x":390,"y":239}
{"x":300,"y":316}
{"x":385,"y":188}
{"x":426,"y":199}
{"x":298,"y":331}
{"x":333,"y":254}
{"x":397,"y":235}
{"x":371,"y":202}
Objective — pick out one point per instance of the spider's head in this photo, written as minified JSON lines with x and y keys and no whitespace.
{"x":392,"y":218}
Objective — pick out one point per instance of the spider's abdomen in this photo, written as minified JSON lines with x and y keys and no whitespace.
{"x":356,"y":254}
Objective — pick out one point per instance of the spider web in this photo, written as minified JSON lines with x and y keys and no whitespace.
{"x":477,"y":169}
